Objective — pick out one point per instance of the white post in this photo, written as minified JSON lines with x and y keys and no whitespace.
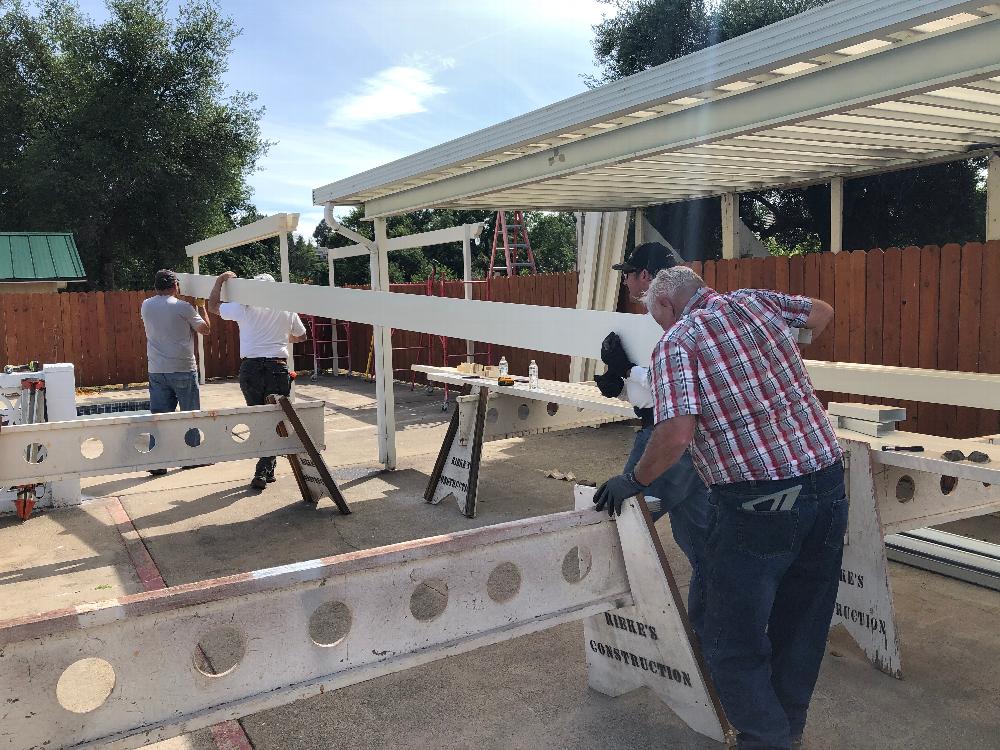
{"x":335,"y":363}
{"x":836,"y":214}
{"x":285,"y":278}
{"x":201,"y":340}
{"x":384,"y":394}
{"x":467,"y":276}
{"x":640,"y":229}
{"x":993,"y":198}
{"x":730,"y":237}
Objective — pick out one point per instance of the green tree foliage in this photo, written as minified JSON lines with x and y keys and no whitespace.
{"x":930,"y":205}
{"x":121,"y":131}
{"x":552,"y":236}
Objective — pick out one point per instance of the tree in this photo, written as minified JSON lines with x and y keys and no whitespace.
{"x":896,"y":208}
{"x":120,"y":131}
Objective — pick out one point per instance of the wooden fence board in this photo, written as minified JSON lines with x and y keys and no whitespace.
{"x":969,"y":310}
{"x":858,"y":266}
{"x":948,"y":305}
{"x":842,"y":308}
{"x":874,"y":281}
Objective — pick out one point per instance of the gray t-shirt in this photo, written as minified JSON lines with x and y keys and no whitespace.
{"x":169,"y":324}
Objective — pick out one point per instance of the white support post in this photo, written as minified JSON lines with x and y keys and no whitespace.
{"x":836,"y":214}
{"x":730,"y":236}
{"x":993,"y":198}
{"x":640,"y":229}
{"x":286,"y":279}
{"x":201,"y":339}
{"x":384,"y":394}
{"x":467,"y":276}
{"x":335,"y":363}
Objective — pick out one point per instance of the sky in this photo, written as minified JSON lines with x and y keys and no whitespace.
{"x":348,"y":86}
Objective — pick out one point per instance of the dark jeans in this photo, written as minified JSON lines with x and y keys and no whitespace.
{"x":683,"y":495}
{"x":260,"y":378}
{"x":771,"y":579}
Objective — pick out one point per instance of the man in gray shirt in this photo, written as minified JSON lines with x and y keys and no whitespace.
{"x":170,"y":323}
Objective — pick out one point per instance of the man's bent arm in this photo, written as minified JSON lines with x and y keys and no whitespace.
{"x":215,"y":298}
{"x":296,"y":339}
{"x":819,"y":317}
{"x":668,"y":442}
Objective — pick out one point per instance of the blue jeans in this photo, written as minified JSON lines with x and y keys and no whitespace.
{"x":771,"y":579}
{"x":167,"y":391}
{"x":683,"y":495}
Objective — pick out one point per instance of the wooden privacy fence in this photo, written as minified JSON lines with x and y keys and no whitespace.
{"x":931,"y":307}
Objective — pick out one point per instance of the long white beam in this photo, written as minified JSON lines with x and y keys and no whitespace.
{"x":577,"y":333}
{"x":948,"y":59}
{"x":261,"y":229}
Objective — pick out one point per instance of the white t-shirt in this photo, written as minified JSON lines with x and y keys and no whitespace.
{"x":263,"y":332}
{"x":638,"y":390}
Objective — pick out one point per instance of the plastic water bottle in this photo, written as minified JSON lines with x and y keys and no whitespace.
{"x":503,"y":366}
{"x":533,"y":376}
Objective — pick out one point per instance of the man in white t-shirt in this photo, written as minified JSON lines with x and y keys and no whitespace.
{"x":264,"y":338}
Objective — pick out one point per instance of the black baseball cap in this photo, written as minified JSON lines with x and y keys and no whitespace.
{"x":164,"y":279}
{"x":649,"y":256}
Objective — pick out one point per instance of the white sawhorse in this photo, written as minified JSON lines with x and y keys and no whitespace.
{"x":299,"y":630}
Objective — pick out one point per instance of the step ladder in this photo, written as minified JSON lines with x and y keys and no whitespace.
{"x":511,"y":238}
{"x":327,"y":338}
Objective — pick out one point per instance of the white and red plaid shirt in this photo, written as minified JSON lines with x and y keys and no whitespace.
{"x":732,"y":360}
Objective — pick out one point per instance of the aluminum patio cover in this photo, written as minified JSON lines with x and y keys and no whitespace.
{"x":850,"y":88}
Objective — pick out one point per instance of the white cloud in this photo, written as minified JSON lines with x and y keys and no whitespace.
{"x":394,"y":92}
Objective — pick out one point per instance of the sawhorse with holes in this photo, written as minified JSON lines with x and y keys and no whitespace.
{"x":494,"y":412}
{"x":33,"y":453}
{"x":109,"y":674}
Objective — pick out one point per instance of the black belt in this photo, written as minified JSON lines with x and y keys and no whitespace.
{"x":264,"y":359}
{"x":646,"y":415}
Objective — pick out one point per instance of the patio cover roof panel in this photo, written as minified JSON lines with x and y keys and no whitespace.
{"x":927,"y":91}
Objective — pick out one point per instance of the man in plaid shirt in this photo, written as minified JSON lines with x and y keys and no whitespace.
{"x":728,"y":379}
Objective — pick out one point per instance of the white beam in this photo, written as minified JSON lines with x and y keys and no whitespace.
{"x":730,"y":233}
{"x":351,"y":251}
{"x":993,"y":199}
{"x":269,"y":226}
{"x":385,"y":396}
{"x":937,"y":61}
{"x":435,"y":237}
{"x":836,"y":214}
{"x":576,"y":333}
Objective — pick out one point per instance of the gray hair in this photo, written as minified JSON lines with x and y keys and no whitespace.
{"x":677,"y":283}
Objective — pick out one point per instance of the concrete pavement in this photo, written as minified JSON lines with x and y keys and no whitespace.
{"x":527,"y":693}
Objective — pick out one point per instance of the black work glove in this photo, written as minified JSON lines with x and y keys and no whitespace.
{"x":610,"y":385}
{"x":614,"y":492}
{"x":614,"y":356}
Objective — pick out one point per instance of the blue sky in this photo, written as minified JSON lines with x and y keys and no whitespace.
{"x":351,"y":85}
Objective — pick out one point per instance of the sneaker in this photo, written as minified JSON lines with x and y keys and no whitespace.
{"x":258,"y":482}
{"x":797,"y":743}
{"x":157,"y":472}
{"x":270,"y":478}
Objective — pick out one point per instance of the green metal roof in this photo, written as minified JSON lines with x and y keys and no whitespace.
{"x":39,"y":256}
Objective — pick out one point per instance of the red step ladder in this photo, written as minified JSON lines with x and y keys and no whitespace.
{"x":511,"y":238}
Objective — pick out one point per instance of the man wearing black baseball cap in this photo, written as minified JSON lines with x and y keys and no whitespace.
{"x":679,"y":491}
